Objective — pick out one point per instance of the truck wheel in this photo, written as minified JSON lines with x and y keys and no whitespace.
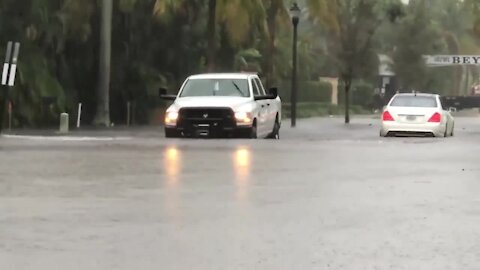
{"x":276,"y":131}
{"x":171,"y":133}
{"x":253,"y":131}
{"x":248,"y":133}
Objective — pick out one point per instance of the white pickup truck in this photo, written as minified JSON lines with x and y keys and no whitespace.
{"x":223,"y":105}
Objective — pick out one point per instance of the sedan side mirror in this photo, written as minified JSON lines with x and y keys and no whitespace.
{"x":273,"y":92}
{"x":452,"y":109}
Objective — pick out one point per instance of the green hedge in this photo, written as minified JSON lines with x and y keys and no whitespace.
{"x":315,"y":92}
{"x":308,"y":91}
{"x":315,"y":109}
{"x":361,"y":94}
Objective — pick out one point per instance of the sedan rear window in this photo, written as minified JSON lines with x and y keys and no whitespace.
{"x":414,"y":101}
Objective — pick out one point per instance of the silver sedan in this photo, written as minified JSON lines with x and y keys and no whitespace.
{"x":417,"y":114}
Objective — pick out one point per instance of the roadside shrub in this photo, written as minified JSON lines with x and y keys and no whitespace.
{"x":308,"y":91}
{"x":318,"y":109}
{"x":313,"y":91}
{"x":361,"y":94}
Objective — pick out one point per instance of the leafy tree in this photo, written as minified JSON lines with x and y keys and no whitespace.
{"x":417,"y":36}
{"x":160,"y":42}
{"x":277,"y":15}
{"x":352,"y":24}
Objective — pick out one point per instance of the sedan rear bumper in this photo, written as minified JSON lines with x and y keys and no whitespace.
{"x":435,"y":129}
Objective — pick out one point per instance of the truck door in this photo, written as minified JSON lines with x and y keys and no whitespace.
{"x":262,"y":117}
{"x":270,"y":109}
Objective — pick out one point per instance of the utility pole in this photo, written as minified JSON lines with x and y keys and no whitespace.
{"x":103,"y":92}
{"x":295,"y":14}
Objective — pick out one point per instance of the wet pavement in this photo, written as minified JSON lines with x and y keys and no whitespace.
{"x":325,"y":196}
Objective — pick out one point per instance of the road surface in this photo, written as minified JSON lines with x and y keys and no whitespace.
{"x":326,"y":196}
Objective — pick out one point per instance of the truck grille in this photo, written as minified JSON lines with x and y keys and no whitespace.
{"x":206,"y":113}
{"x":213,"y":121}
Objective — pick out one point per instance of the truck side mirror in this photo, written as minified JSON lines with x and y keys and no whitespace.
{"x":162,"y":91}
{"x":273,"y":92}
{"x":163,"y":95}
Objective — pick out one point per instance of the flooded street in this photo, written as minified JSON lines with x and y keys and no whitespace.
{"x":326,"y":196}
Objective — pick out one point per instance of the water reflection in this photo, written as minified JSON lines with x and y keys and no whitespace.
{"x":242,"y":164}
{"x":172,"y":165}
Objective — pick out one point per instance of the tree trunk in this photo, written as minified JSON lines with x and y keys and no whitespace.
{"x":348,"y":84}
{"x":272,"y":29}
{"x":211,"y":28}
{"x":103,"y":107}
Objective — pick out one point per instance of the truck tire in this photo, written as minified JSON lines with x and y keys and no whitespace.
{"x":253,"y":130}
{"x":249,"y":133}
{"x":275,"y":135}
{"x":171,"y":133}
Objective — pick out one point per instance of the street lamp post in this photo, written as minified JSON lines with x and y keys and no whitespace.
{"x":295,"y":14}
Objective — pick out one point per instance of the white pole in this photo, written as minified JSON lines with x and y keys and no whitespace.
{"x":79,"y":115}
{"x":13,"y":73}
{"x":6,"y":65}
{"x":13,"y":68}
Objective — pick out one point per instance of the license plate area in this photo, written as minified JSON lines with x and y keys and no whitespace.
{"x":411,"y":117}
{"x":202,"y":130}
{"x":206,"y":125}
{"x":203,"y":133}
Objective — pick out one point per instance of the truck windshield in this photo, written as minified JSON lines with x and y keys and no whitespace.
{"x":216,"y":87}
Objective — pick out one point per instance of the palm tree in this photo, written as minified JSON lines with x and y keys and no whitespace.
{"x":236,"y":17}
{"x":211,"y":33}
{"x":276,"y":13}
{"x":352,"y":24}
{"x":325,"y":14}
{"x":103,"y":109}
{"x":459,"y":37}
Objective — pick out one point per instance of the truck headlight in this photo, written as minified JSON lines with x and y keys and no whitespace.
{"x":243,"y":117}
{"x":171,"y":118}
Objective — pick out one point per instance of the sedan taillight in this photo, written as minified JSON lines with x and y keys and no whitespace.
{"x":436,"y":118}
{"x":387,"y":116}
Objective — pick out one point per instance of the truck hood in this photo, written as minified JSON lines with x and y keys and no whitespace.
{"x":216,"y":102}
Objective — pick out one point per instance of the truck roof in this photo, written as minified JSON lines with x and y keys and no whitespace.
{"x":222,"y":76}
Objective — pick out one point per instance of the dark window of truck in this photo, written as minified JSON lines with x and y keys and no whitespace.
{"x":216,"y":87}
{"x":256,"y":90}
{"x":260,"y":86}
